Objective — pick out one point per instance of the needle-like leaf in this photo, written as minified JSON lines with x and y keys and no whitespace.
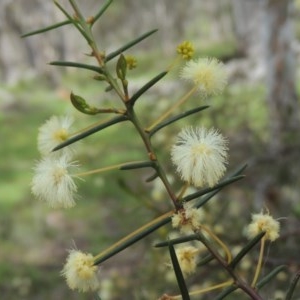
{"x":147,"y":86}
{"x":245,"y":250}
{"x":226,"y":292}
{"x":129,"y":45}
{"x":90,"y":131}
{"x":45,"y":29}
{"x":133,"y":238}
{"x":270,"y":276}
{"x":76,"y":65}
{"x":179,"y":276}
{"x":139,"y":165}
{"x":176,"y":118}
{"x":102,"y":10}
{"x":292,"y":287}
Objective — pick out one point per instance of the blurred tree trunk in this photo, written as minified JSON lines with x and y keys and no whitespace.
{"x":280,"y":72}
{"x":246,"y":23}
{"x":279,"y":168}
{"x":265,"y":36}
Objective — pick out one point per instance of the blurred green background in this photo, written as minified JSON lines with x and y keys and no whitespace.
{"x":35,"y":238}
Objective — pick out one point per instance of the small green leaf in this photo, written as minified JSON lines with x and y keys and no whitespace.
{"x":121,"y":67}
{"x":179,"y":276}
{"x":80,"y":104}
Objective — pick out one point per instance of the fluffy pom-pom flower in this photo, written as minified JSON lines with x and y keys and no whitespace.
{"x":55,"y":131}
{"x":208,"y":74}
{"x":80,"y":272}
{"x":187,"y":258}
{"x":200,"y":156}
{"x":52,"y":182}
{"x":263,"y":223}
{"x":188,"y":219}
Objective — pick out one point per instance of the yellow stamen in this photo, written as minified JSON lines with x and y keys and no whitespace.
{"x":60,"y":135}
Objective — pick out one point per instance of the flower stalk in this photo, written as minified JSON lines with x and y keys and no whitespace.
{"x":170,"y":110}
{"x":260,"y":260}
{"x":205,"y":290}
{"x":220,"y":242}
